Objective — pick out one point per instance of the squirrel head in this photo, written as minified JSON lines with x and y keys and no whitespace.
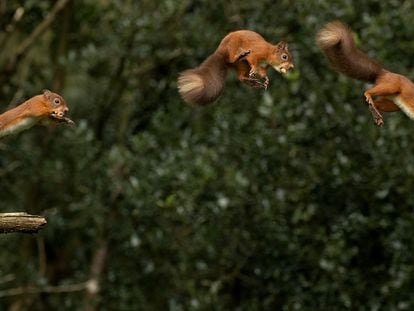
{"x":56,"y":103}
{"x":280,"y":58}
{"x":57,"y":107}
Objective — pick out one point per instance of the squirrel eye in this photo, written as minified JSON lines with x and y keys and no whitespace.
{"x":284,"y":56}
{"x":56,"y":101}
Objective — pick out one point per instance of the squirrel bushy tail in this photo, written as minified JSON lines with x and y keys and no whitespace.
{"x":335,"y":39}
{"x":203,"y":85}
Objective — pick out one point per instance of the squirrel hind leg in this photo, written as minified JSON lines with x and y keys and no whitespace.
{"x":374,"y":111}
{"x":378,"y":119}
{"x":385,"y":105}
{"x":381,"y":90}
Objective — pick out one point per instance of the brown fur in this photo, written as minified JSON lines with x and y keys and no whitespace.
{"x":202,"y":85}
{"x":390,"y":92}
{"x":335,"y":39}
{"x":41,"y":109}
{"x":242,"y":51}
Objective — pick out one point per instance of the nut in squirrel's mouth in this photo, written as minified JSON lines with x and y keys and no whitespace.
{"x":60,"y":117}
{"x":283,"y":68}
{"x":57,"y":114}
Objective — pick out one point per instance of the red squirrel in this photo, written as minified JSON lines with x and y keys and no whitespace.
{"x":245,"y":51}
{"x":391,"y":91}
{"x":47,"y":108}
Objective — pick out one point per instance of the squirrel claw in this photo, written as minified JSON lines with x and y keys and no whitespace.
{"x":252,"y":73}
{"x":374,"y":111}
{"x":255,"y":83}
{"x":257,"y":80}
{"x":263,"y":79}
{"x":62,"y":118}
{"x":266,"y":82}
{"x":369,"y":100}
{"x":68,"y":121}
{"x":376,"y":115}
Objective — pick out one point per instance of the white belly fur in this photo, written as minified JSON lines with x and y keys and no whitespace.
{"x":18,"y":127}
{"x":409,"y":111}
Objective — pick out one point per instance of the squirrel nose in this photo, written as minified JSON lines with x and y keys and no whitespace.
{"x":66,"y":109}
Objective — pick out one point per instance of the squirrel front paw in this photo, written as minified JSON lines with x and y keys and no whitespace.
{"x":241,"y":53}
{"x":59,"y":117}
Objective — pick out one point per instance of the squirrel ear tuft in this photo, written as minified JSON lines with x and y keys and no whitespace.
{"x":282,"y":45}
{"x":46,"y":94}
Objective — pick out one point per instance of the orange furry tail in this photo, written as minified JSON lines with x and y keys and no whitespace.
{"x":335,"y":39}
{"x":203,"y":85}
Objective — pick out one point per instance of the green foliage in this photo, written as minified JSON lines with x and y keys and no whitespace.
{"x":284,"y":199}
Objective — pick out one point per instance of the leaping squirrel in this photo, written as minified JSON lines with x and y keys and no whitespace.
{"x":245,"y":51}
{"x":391,"y":91}
{"x":46,"y":109}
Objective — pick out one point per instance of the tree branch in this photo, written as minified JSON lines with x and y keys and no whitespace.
{"x":21,"y":222}
{"x":43,"y":289}
{"x":41,"y":28}
{"x":10,"y":28}
{"x":25,"y":46}
{"x":93,"y":287}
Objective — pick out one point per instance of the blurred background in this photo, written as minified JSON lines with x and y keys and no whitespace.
{"x":289,"y":198}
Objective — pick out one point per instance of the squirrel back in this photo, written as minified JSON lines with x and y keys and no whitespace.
{"x":203,"y":84}
{"x":335,"y":39}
